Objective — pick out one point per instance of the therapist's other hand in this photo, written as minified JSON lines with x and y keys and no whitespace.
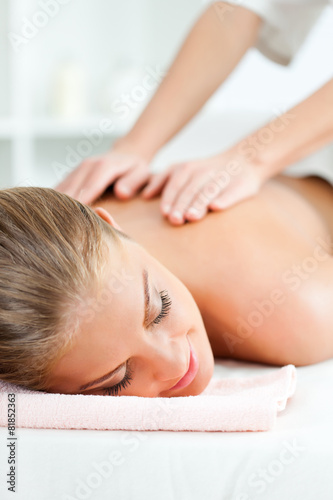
{"x":193,"y":188}
{"x":94,"y":175}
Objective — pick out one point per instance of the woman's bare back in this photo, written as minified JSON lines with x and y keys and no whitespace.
{"x":249,"y":267}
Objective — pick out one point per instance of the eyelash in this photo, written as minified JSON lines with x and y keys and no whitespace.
{"x":166,"y":305}
{"x":113,"y":391}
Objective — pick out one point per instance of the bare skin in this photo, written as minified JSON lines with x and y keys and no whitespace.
{"x":245,"y":254}
{"x":250,"y":282}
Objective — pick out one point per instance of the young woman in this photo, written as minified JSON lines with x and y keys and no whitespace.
{"x":259,"y":273}
{"x":90,"y":304}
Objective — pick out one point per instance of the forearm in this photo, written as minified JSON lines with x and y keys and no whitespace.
{"x":209,"y":53}
{"x":297,"y":133}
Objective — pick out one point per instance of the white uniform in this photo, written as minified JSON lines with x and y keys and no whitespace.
{"x":286,"y":24}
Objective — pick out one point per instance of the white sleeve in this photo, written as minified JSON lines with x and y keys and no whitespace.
{"x":285,"y":25}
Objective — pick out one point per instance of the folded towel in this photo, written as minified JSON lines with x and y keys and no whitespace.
{"x":230,"y":404}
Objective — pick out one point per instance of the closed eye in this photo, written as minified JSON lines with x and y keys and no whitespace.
{"x":114,"y":389}
{"x":125,"y":382}
{"x":166,"y":306}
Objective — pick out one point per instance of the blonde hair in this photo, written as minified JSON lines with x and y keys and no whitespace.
{"x":52,"y":255}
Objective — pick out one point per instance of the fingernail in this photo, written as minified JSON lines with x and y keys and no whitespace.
{"x":192,"y":211}
{"x":176,"y":214}
{"x":166,"y":209}
{"x":124,"y":190}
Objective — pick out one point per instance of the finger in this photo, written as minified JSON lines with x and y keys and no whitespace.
{"x":208,"y":192}
{"x":72,"y":184}
{"x":192,"y":195}
{"x":69,"y":184}
{"x":196,"y":215}
{"x":155,"y":184}
{"x":190,"y":218}
{"x":91,"y":172}
{"x":132,"y":180}
{"x":178,"y":178}
{"x":100,"y":176}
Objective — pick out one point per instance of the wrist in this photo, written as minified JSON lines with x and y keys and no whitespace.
{"x":270,"y":164}
{"x":263,"y":160}
{"x":236,"y":161}
{"x":127,"y":145}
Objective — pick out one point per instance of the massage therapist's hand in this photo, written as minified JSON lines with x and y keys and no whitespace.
{"x":193,"y":188}
{"x":121,"y":165}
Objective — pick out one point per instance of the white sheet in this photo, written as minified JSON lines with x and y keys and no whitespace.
{"x":292,"y":462}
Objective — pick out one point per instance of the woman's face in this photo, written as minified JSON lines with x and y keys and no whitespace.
{"x":144,"y":337}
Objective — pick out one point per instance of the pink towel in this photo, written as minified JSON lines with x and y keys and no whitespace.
{"x":230,"y":404}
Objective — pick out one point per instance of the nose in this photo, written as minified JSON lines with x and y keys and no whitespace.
{"x":168,"y":361}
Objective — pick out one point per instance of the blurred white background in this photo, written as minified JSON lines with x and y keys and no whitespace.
{"x":66,"y":66}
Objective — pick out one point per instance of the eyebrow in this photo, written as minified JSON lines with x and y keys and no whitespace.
{"x":147,"y":307}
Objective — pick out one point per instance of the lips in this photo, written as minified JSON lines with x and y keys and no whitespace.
{"x":191,"y":372}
